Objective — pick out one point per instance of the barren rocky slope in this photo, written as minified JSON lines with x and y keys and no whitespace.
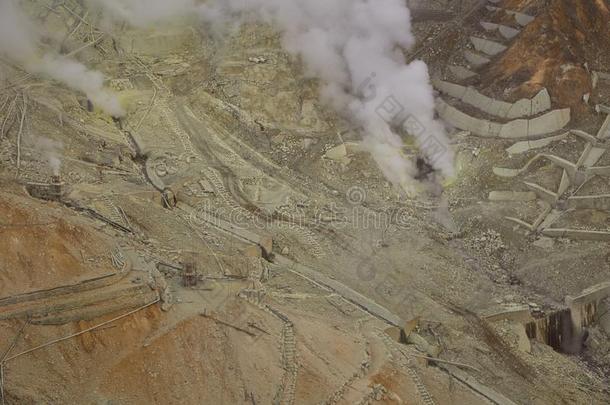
{"x":229,"y":241}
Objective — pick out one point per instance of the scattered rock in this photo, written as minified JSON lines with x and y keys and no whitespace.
{"x":257,"y":59}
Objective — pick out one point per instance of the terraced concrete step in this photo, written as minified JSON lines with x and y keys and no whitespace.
{"x":476,"y":59}
{"x":526,"y":146}
{"x":462,"y":73}
{"x":487,"y":46}
{"x":540,"y":103}
{"x":504,"y":30}
{"x":548,"y":123}
{"x":521,"y":18}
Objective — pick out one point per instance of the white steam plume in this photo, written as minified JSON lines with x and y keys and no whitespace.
{"x":51,"y":150}
{"x":354,"y":47}
{"x":19,"y":39}
{"x":348,"y":43}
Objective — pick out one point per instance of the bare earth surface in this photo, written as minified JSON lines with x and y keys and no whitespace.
{"x":316,"y":280}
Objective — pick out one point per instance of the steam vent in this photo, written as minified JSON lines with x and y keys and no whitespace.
{"x":305,"y":202}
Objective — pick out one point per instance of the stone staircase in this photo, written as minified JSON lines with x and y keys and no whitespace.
{"x":399,"y":357}
{"x":285,"y":394}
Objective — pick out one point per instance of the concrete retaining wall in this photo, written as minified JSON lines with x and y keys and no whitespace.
{"x":577,"y":234}
{"x":603,"y":171}
{"x":604,"y":132}
{"x":475,"y":59}
{"x":486,"y":46}
{"x":526,"y":146}
{"x":550,"y":122}
{"x":584,"y":306}
{"x":599,"y":202}
{"x":544,"y":194}
{"x":584,"y":135}
{"x":521,"y":18}
{"x":461,"y":73}
{"x":562,"y":329}
{"x":506,"y":31}
{"x":48,"y":192}
{"x":512,"y":196}
{"x":521,"y":108}
{"x":553,"y":330}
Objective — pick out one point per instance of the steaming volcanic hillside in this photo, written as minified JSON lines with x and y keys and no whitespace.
{"x":304,"y":202}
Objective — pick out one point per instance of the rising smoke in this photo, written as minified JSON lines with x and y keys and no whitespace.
{"x":344,"y":43}
{"x":50,"y":150}
{"x":20,"y":42}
